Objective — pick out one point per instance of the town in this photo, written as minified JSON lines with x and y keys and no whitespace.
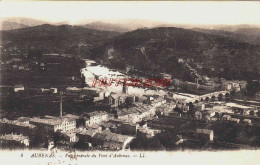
{"x":73,"y":114}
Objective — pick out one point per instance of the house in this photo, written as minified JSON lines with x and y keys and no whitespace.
{"x":236,"y":87}
{"x":180,"y":60}
{"x":247,"y":121}
{"x":128,"y":68}
{"x":242,"y":84}
{"x":97,"y":93}
{"x":54,"y":90}
{"x":70,"y":136}
{"x":18,"y":88}
{"x":146,"y":112}
{"x":198,"y":115}
{"x":116,"y":99}
{"x":96,"y":117}
{"x":128,"y":115}
{"x":234,"y":120}
{"x":209,"y":113}
{"x":112,"y":141}
{"x":226,"y":86}
{"x":200,"y":106}
{"x":86,"y":135}
{"x":147,"y":132}
{"x":226,"y":117}
{"x":53,"y":123}
{"x":75,"y":117}
{"x":44,"y":90}
{"x":158,"y":101}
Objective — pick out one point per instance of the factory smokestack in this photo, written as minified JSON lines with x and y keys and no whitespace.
{"x":60,"y":104}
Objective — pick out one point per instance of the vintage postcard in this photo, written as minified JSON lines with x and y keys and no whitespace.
{"x":130,"y":82}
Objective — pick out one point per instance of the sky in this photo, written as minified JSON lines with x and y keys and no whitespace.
{"x":169,"y":12}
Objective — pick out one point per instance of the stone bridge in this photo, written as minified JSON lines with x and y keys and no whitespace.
{"x":210,"y":96}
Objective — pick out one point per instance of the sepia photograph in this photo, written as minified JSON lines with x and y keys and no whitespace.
{"x":134,"y":80}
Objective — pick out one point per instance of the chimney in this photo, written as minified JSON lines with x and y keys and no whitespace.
{"x":125,"y":89}
{"x":60,"y":104}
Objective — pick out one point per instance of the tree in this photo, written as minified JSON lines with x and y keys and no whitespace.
{"x":252,"y":88}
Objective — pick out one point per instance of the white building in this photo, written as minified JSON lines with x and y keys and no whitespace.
{"x":53,"y":123}
{"x":95,"y":117}
{"x":18,"y":88}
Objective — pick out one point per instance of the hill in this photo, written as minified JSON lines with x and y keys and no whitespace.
{"x":7,"y":25}
{"x":106,"y":27}
{"x":248,"y":35}
{"x":24,"y":21}
{"x":158,"y":50}
{"x":54,"y":38}
{"x":249,"y":31}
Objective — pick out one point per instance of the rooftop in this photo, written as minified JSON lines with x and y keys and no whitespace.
{"x":96,"y":113}
{"x":50,"y":120}
{"x":13,"y":137}
{"x":109,"y":136}
{"x":17,"y":123}
{"x":72,"y":116}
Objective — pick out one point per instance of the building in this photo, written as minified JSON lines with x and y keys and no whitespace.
{"x":180,"y":60}
{"x":198,"y":115}
{"x":49,"y":90}
{"x":13,"y":139}
{"x":158,"y":101}
{"x":226,"y":117}
{"x":112,"y":141}
{"x":128,"y":115}
{"x":86,"y":136}
{"x":96,"y":117}
{"x":54,"y":124}
{"x":18,"y":88}
{"x":247,"y":121}
{"x":116,"y":99}
{"x":234,"y":120}
{"x":18,"y":126}
{"x":200,"y":106}
{"x":70,"y":136}
{"x":226,"y":86}
{"x":75,"y":117}
{"x":147,"y":132}
{"x":242,"y":84}
{"x":236,"y":87}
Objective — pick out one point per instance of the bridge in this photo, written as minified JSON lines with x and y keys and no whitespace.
{"x":210,"y":96}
